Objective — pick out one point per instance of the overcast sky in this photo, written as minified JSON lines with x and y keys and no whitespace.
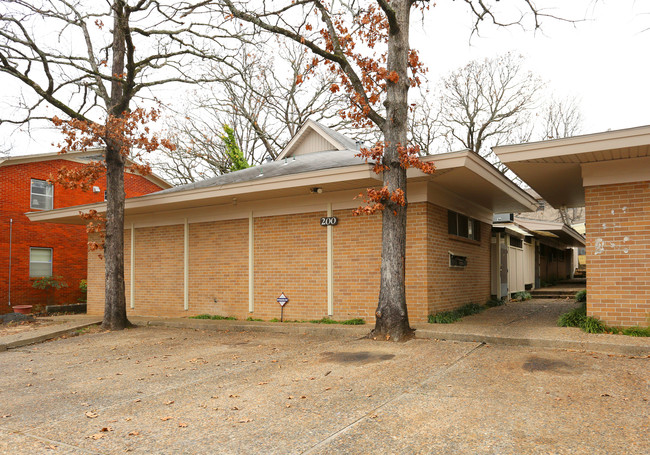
{"x":603,"y":61}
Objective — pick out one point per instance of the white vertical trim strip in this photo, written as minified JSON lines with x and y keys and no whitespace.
{"x":330,"y":265}
{"x":251,"y":263}
{"x":186,"y":266}
{"x":132,"y":284}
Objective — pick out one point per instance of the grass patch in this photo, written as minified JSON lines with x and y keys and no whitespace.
{"x":491,"y":303}
{"x":355,"y":321}
{"x":251,"y":319}
{"x":636,"y":331}
{"x":214,"y":317}
{"x":449,"y":317}
{"x":581,"y":296}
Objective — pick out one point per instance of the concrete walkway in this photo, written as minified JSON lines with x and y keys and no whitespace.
{"x":63,"y":326}
{"x":531,"y":323}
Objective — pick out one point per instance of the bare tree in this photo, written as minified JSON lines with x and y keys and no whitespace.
{"x":487,"y":103}
{"x":561,"y":118}
{"x":67,"y":58}
{"x":264,"y":99}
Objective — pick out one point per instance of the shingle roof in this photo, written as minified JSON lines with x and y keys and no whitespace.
{"x":293,"y":165}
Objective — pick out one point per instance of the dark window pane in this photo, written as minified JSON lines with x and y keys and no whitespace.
{"x":463,"y":228}
{"x":453,"y":222}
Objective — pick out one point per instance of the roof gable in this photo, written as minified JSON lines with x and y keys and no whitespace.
{"x":313,"y":137}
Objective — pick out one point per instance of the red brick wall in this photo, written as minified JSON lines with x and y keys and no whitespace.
{"x":68,"y":242}
{"x":291,"y":257}
{"x":618,"y":253}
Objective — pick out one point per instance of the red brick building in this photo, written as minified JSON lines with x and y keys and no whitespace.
{"x":37,"y":249}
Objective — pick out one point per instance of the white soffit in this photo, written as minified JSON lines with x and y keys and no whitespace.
{"x":555,"y":168}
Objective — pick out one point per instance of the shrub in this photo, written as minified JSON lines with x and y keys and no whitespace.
{"x":49,"y":282}
{"x":573,"y":318}
{"x":581,"y":296}
{"x":251,"y":319}
{"x":523,"y":295}
{"x":593,"y":325}
{"x":83,"y":287}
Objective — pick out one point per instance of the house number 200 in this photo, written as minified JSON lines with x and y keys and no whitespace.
{"x":329,"y":221}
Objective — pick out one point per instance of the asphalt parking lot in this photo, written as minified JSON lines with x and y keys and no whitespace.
{"x":182,"y":391}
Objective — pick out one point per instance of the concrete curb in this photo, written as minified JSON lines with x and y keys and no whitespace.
{"x":362,"y":331}
{"x":45,"y":336}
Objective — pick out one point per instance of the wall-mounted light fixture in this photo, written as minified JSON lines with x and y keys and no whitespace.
{"x":316,"y":190}
{"x":96,"y":189}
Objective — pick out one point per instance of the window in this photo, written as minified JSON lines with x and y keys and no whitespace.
{"x":463,"y":226}
{"x":517,"y":243}
{"x":42,"y":195}
{"x":40,"y":262}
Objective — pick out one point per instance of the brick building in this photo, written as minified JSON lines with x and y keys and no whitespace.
{"x":232,"y":244}
{"x":609,"y":175}
{"x":37,"y":249}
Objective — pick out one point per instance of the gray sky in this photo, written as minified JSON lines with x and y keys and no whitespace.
{"x":603,"y":60}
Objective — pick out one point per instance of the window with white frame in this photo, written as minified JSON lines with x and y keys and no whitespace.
{"x":40,"y":262}
{"x":42,"y":195}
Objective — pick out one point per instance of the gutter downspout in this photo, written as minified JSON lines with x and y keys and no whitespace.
{"x":11,"y":228}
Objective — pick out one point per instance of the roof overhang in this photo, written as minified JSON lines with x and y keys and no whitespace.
{"x":471,"y":177}
{"x":550,"y":229}
{"x":463,"y":175}
{"x":560,"y":169}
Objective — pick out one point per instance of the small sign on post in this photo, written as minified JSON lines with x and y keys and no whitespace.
{"x":282,"y":300}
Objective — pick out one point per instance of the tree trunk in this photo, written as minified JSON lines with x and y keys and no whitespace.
{"x":391,"y":315}
{"x":115,"y":298}
{"x":115,"y":303}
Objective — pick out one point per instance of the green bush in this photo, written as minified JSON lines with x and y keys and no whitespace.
{"x":573,"y":318}
{"x":523,"y":295}
{"x":49,"y":282}
{"x":251,"y":319}
{"x":581,"y":296}
{"x":593,"y":325}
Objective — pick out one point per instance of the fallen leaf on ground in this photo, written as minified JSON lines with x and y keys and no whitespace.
{"x":605,"y":395}
{"x":6,"y":415}
{"x":245,"y":420}
{"x":164,"y":419}
{"x":138,"y":400}
{"x":96,"y":436}
{"x":262,"y":383}
{"x":134,"y":433}
{"x":91,"y":415}
{"x":106,"y":429}
{"x":169,"y":402}
{"x":182,"y":424}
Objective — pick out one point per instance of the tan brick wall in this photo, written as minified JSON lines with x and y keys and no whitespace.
{"x":290,"y":256}
{"x":218,"y":268}
{"x":618,"y":253}
{"x":451,"y":287}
